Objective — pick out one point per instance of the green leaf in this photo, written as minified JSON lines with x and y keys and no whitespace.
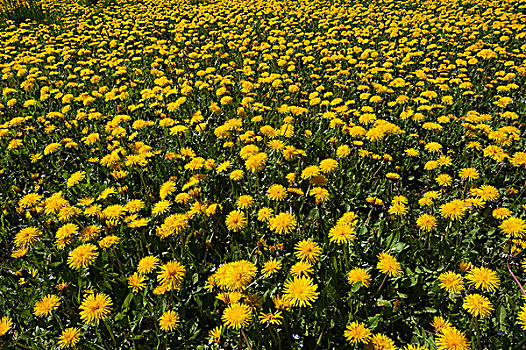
{"x":501,"y":316}
{"x":127,"y":302}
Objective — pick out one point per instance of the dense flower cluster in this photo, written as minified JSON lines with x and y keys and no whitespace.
{"x":264,"y":174}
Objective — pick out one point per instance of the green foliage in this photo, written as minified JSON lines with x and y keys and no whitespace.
{"x":19,"y":11}
{"x":156,"y":102}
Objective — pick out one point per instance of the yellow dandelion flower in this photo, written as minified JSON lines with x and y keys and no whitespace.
{"x":342,"y":233}
{"x":483,"y":278}
{"x":236,"y":220}
{"x":426,"y":222}
{"x":237,"y":316}
{"x":388,"y":265}
{"x":147,"y":264}
{"x":477,"y":305}
{"x":69,"y":337}
{"x":46,"y":305}
{"x":82,"y":256}
{"x":451,"y":339}
{"x":136,"y":282}
{"x":171,"y":275}
{"x":169,"y":321}
{"x":307,"y":250}
{"x":27,"y":237}
{"x":513,"y":226}
{"x":215,"y":334}
{"x":301,"y":268}
{"x":6,"y":323}
{"x":452,"y":282}
{"x":270,"y":267}
{"x":283,"y":223}
{"x":277,"y":192}
{"x":359,"y":275}
{"x":521,"y":318}
{"x":357,"y":333}
{"x":95,"y":307}
{"x":300,"y":291}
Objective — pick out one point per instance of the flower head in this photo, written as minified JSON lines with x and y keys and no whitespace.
{"x":169,"y":321}
{"x":82,"y":256}
{"x":282,"y":223}
{"x":94,"y":307}
{"x":452,"y":282}
{"x":307,"y":250}
{"x":451,"y":339}
{"x":236,"y":221}
{"x":483,"y":278}
{"x":237,"y":316}
{"x":477,"y":305}
{"x":46,"y":305}
{"x":69,"y":337}
{"x":359,"y":275}
{"x":6,"y":323}
{"x":388,"y":265}
{"x":171,"y":275}
{"x":300,"y":291}
{"x":357,"y":333}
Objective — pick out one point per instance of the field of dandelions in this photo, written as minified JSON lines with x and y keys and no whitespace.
{"x":270,"y":174}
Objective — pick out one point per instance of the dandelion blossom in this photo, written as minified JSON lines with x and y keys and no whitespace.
{"x":27,"y":237}
{"x":46,"y":305}
{"x":270,"y":267}
{"x":307,"y":250}
{"x":75,"y":178}
{"x":483,"y":278}
{"x":69,"y":337}
{"x":171,"y":275}
{"x":342,"y":233}
{"x":453,"y":210}
{"x":161,"y":207}
{"x":381,"y":341}
{"x":6,"y":323}
{"x":439,"y":324}
{"x":95,"y":307}
{"x":82,"y":256}
{"x":272,"y":318}
{"x":235,"y":275}
{"x":300,"y":291}
{"x":245,"y":202}
{"x":452,"y":339}
{"x":237,"y":316}
{"x":513,"y":226}
{"x":426,"y":222}
{"x":277,"y":192}
{"x":477,"y":305}
{"x":301,"y":268}
{"x":357,"y":333}
{"x":388,"y":265}
{"x":147,"y":264}
{"x":452,"y":282}
{"x":521,"y":317}
{"x":359,"y":275}
{"x":236,"y":221}
{"x":169,"y":321}
{"x":136,"y":282}
{"x":282,"y":223}
{"x":215,"y":334}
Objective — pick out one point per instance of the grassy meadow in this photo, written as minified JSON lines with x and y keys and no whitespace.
{"x":268,"y":174}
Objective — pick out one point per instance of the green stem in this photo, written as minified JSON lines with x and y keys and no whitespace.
{"x":477,"y":336}
{"x":381,"y":285}
{"x":346,"y":256}
{"x":245,"y":338}
{"x":111,"y":333}
{"x":59,"y":321}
